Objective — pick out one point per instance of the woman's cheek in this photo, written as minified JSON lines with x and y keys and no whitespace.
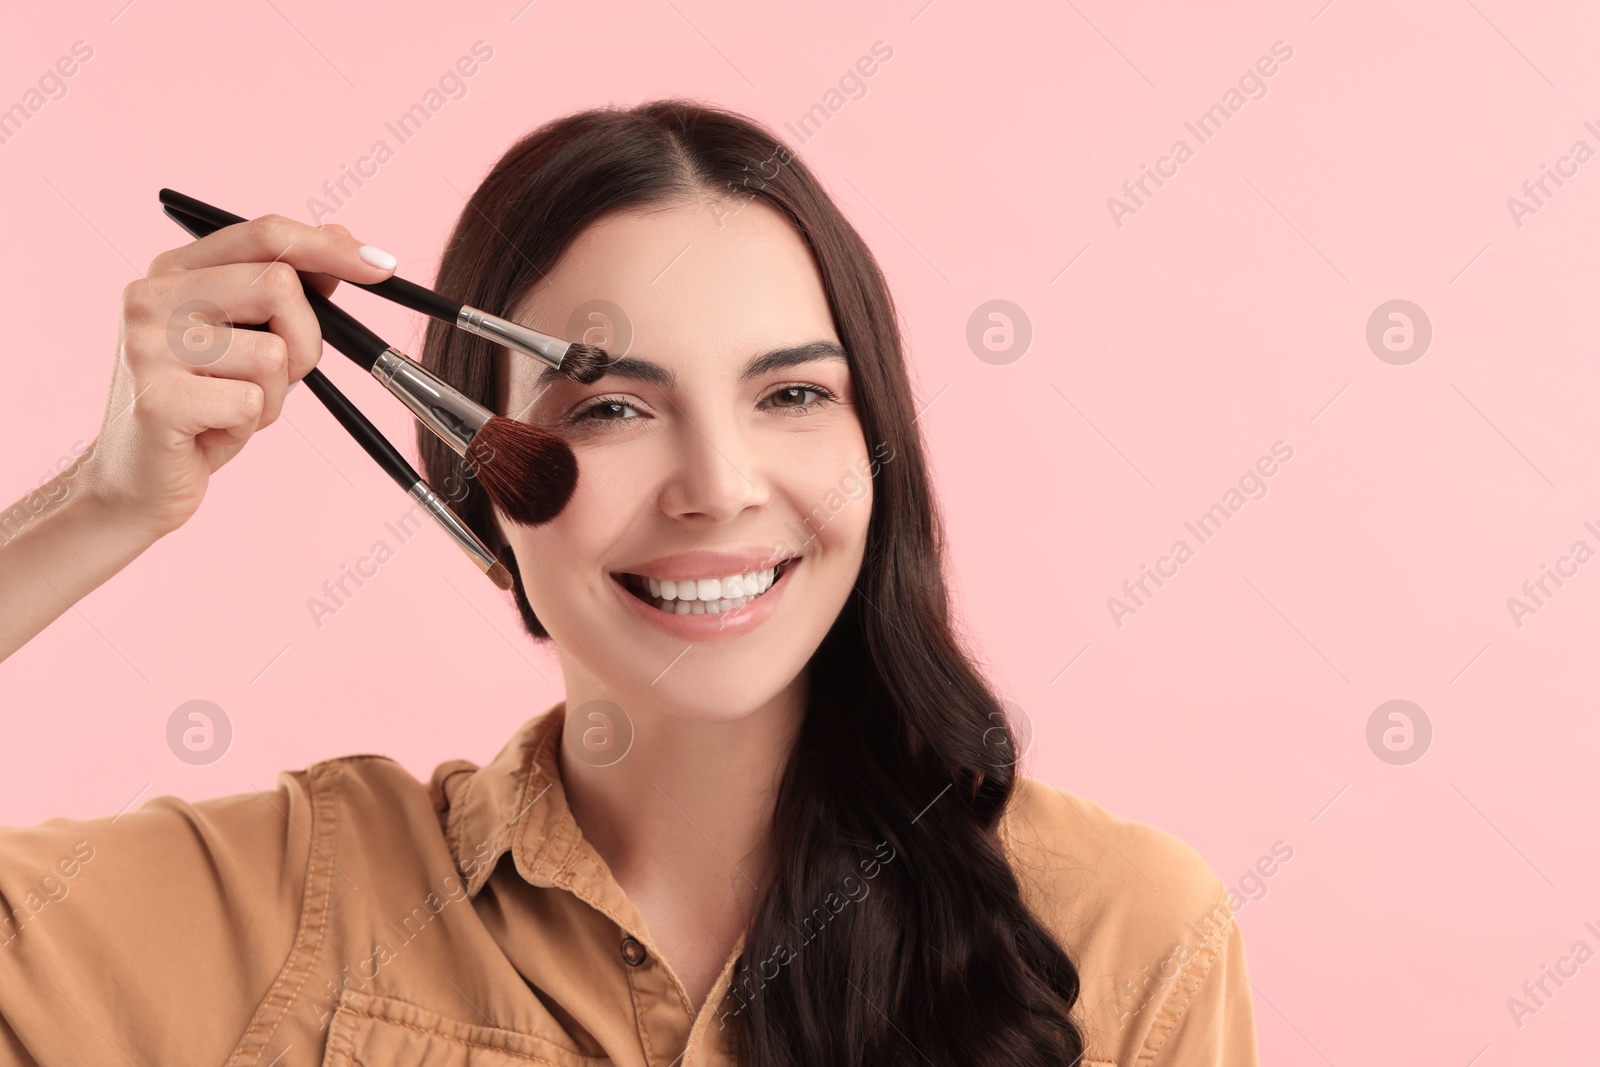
{"x":839,"y":475}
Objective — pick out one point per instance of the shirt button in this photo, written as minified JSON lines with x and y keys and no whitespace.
{"x":633,"y":953}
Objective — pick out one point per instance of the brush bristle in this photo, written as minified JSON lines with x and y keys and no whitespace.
{"x":529,"y":473}
{"x":500,"y":575}
{"x":584,"y":363}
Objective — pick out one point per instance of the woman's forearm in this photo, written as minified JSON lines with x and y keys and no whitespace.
{"x":57,"y":543}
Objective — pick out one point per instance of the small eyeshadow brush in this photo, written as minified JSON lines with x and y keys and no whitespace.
{"x":581,"y":362}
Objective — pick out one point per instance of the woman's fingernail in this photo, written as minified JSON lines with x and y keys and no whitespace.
{"x":377,"y":257}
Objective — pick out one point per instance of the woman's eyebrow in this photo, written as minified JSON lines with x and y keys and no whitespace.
{"x":642,"y":370}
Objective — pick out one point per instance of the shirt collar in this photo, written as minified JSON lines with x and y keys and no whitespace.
{"x":515,"y":802}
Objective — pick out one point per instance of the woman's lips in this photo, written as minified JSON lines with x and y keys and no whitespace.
{"x":711,"y":625}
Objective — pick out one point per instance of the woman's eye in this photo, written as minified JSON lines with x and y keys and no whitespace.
{"x":605,"y":409}
{"x":791,"y":397}
{"x":610,"y":411}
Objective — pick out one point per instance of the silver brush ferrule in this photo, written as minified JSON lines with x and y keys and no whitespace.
{"x":435,"y":506}
{"x":435,"y":401}
{"x":542,"y":346}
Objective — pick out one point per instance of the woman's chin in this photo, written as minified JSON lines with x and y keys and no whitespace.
{"x":711,"y":705}
{"x":715,"y":682}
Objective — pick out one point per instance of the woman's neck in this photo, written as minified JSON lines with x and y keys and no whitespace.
{"x":687,"y":811}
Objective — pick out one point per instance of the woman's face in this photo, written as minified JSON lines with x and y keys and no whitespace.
{"x":727,"y":445}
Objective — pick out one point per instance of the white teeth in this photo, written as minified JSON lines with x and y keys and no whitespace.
{"x":702,"y":596}
{"x":730,"y":588}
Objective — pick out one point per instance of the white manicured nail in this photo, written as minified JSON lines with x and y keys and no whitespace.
{"x":377,"y":257}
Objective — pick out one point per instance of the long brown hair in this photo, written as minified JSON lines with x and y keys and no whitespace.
{"x":902,"y":767}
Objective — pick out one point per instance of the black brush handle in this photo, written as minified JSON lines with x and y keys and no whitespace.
{"x":339,"y":328}
{"x":397,"y":289}
{"x":350,"y":417}
{"x":378,"y":447}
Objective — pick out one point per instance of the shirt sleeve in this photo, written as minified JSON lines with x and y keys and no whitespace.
{"x":1217,"y":1027}
{"x":150,"y":936}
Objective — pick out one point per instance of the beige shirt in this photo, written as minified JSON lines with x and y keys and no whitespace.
{"x":355,"y":915}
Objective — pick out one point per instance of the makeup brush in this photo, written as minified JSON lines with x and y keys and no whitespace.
{"x":390,"y":459}
{"x":529,"y":473}
{"x":395,"y":465}
{"x":581,"y":362}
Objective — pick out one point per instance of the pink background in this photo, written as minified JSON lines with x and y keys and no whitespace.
{"x":1229,"y":312}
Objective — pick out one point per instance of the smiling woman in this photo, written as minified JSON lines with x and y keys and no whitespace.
{"x":798,"y":713}
{"x":692,"y":458}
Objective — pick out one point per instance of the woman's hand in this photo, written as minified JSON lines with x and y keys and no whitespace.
{"x":187,"y":390}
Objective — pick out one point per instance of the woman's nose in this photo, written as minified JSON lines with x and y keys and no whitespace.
{"x":716,"y":471}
